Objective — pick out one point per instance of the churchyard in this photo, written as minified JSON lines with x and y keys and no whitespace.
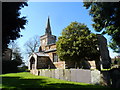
{"x":25,"y":80}
{"x":78,"y":58}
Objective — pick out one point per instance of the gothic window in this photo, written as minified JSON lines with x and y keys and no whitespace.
{"x":55,"y":57}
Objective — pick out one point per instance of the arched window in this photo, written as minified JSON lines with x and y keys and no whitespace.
{"x":55,"y":57}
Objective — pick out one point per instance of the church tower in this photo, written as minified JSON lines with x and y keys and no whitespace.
{"x":48,"y":28}
{"x":47,"y":38}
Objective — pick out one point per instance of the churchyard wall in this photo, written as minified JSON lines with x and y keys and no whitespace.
{"x":106,"y":78}
{"x":76,"y":75}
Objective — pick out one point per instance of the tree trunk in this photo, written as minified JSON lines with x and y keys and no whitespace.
{"x":78,"y":64}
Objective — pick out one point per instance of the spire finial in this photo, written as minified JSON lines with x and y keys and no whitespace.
{"x":48,"y":28}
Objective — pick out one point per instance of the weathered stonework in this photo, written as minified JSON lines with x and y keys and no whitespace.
{"x":47,"y":57}
{"x":95,"y":77}
{"x":76,"y":75}
{"x":60,"y":64}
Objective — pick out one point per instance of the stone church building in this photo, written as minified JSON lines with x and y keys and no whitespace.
{"x":47,"y":58}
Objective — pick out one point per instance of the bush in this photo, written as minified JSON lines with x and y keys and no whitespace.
{"x":9,"y":66}
{"x":23,"y":68}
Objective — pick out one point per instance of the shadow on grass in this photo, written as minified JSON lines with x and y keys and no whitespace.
{"x":68,"y":85}
{"x":19,"y":83}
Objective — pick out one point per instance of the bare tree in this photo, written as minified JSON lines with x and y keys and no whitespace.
{"x":16,"y":52}
{"x":32,"y":45}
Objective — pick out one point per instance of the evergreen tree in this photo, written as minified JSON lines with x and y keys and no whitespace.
{"x":77,"y":43}
{"x":106,"y":18}
{"x":12,"y":23}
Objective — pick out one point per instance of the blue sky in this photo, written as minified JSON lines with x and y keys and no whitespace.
{"x":61,"y":15}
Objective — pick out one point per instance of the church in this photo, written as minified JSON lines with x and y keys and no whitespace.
{"x":47,"y":58}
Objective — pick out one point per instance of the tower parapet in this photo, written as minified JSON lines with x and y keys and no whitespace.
{"x":48,"y":38}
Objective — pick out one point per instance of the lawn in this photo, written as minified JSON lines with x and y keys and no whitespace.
{"x":25,"y":80}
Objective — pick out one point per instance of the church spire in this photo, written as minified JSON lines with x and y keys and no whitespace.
{"x":48,"y":28}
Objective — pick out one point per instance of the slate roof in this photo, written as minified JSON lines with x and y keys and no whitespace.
{"x":50,"y":50}
{"x":41,"y":54}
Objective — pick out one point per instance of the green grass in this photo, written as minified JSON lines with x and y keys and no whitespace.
{"x":26,"y":80}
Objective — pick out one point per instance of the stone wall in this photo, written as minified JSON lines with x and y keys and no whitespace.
{"x":76,"y":75}
{"x":52,"y":46}
{"x":60,"y":64}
